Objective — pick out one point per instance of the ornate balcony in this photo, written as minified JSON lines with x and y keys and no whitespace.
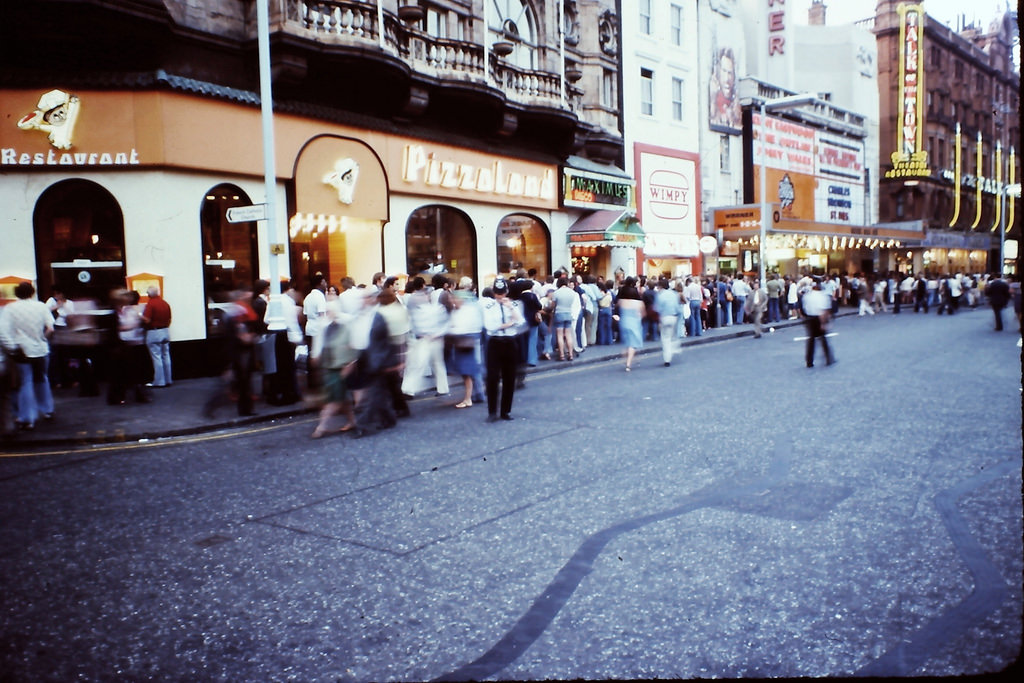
{"x":456,"y":74}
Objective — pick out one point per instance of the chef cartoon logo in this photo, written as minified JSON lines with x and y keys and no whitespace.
{"x":55,"y":115}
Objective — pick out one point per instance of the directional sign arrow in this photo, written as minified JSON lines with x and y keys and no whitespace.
{"x":245,"y":214}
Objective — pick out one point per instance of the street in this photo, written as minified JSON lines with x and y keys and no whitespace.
{"x":734,"y":515}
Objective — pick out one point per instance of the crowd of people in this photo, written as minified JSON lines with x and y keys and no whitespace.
{"x":366,"y":349}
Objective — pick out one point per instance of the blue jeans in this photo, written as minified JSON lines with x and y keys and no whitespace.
{"x":604,"y":326}
{"x":724,"y":313}
{"x":773,"y":310}
{"x":737,"y":308}
{"x":694,"y":324}
{"x":159,"y":344}
{"x":531,"y":345}
{"x":34,"y":395}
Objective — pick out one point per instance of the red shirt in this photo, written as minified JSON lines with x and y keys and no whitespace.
{"x":157,"y":314}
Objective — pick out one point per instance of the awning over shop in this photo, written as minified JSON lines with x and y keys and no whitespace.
{"x":607,"y":229}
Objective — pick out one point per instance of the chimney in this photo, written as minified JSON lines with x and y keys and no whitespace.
{"x":816,"y":13}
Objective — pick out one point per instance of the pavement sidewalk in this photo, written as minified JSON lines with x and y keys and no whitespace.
{"x":177,"y":410}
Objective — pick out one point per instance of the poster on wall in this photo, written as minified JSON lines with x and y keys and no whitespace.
{"x":811,"y":174}
{"x":724,"y":113}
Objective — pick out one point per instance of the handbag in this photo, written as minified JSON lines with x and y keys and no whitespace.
{"x":728,"y":295}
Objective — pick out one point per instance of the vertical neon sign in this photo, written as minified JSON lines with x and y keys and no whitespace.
{"x":910,"y":158}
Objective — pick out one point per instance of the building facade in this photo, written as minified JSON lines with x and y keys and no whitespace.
{"x":950,"y":137}
{"x":408,"y":139}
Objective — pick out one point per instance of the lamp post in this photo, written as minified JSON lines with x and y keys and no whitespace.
{"x":275,"y":315}
{"x":779,"y":103}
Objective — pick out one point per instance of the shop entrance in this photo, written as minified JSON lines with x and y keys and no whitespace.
{"x":79,"y":241}
{"x":230,"y":251}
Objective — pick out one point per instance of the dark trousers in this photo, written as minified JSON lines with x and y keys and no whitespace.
{"x":126,"y":372}
{"x":282,"y":387}
{"x":816,"y":330}
{"x":998,"y":310}
{"x":375,"y":410}
{"x":393,"y":382}
{"x":502,"y":358}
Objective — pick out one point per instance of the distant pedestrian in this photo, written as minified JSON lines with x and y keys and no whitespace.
{"x":337,"y":363}
{"x":237,"y":362}
{"x":669,"y":307}
{"x":630,"y":315}
{"x":377,"y":356}
{"x":156,"y":316}
{"x":757,"y":302}
{"x":998,"y":293}
{"x":817,"y":307}
{"x":129,"y":352}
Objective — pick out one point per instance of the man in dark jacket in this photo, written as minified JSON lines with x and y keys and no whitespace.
{"x":377,"y":356}
{"x":998,"y":293}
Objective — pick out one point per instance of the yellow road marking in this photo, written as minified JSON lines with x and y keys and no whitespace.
{"x":159,"y":441}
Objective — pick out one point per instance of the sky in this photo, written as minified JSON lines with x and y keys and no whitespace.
{"x":847,"y":11}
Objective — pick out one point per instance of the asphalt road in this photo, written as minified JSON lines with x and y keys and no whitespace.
{"x":734,"y":515}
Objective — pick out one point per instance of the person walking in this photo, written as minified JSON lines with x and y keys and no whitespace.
{"x":920,"y":290}
{"x":757,"y":302}
{"x":337,"y":362}
{"x":129,"y":352}
{"x":998,"y":293}
{"x":429,"y":321}
{"x":631,"y":312}
{"x":369,"y":336}
{"x":502,"y":319}
{"x":669,"y":307}
{"x":817,"y":307}
{"x":28,"y":325}
{"x":156,"y":317}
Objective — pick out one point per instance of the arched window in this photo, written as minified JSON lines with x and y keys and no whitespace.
{"x":230,"y":259}
{"x":440,"y":239}
{"x":523,"y":242}
{"x":79,"y":240}
{"x":514,"y":21}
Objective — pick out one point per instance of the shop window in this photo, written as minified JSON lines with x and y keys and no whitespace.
{"x":79,"y":241}
{"x":229,"y":249}
{"x":523,"y":242}
{"x":440,"y":239}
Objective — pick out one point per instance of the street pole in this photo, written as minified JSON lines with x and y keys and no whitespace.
{"x":274,"y":313}
{"x":765,"y":209}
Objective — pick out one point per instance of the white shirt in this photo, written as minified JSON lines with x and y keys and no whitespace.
{"x":315,"y":308}
{"x":816,"y":302}
{"x":497,"y":315}
{"x":26,"y":323}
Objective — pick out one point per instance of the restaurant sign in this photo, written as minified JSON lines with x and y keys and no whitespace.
{"x":586,"y":190}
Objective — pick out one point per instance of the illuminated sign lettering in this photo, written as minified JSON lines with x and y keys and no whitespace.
{"x":419,"y":166}
{"x":910,"y":158}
